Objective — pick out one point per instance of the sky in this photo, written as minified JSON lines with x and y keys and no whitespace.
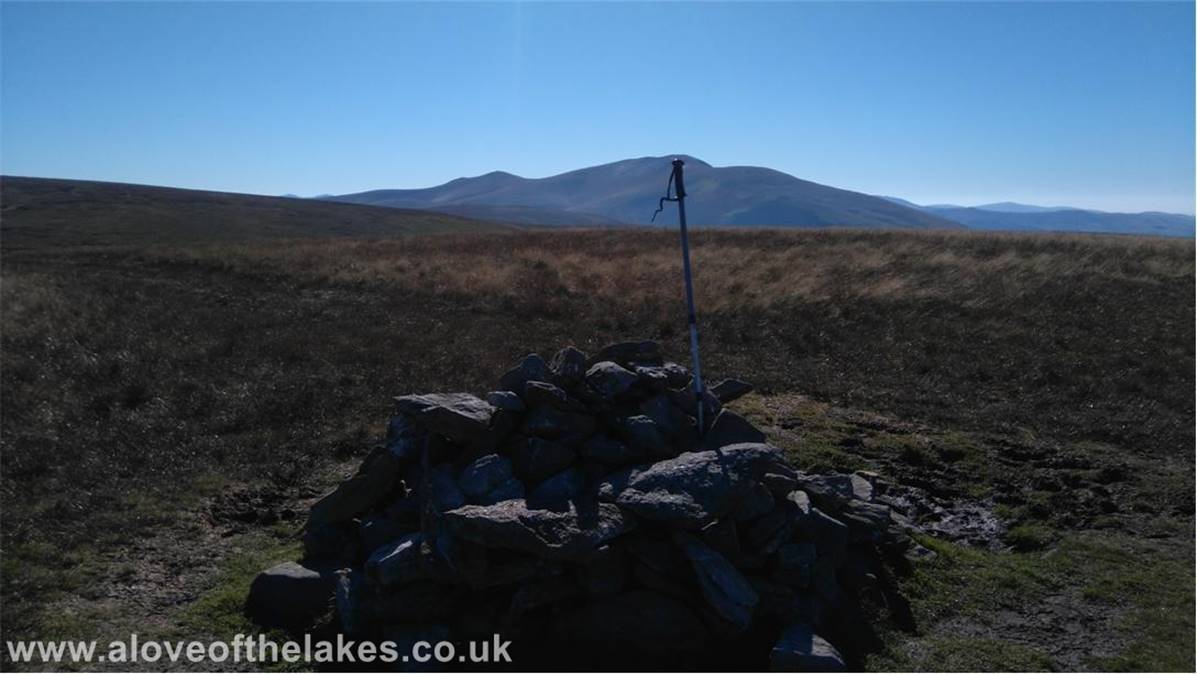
{"x":1079,"y":104}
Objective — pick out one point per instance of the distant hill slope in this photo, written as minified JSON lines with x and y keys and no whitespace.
{"x":1015,"y":217}
{"x":627,"y":192}
{"x":45,"y":211}
{"x":1072,"y":220}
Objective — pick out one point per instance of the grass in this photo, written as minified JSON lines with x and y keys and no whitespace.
{"x":174,"y":401}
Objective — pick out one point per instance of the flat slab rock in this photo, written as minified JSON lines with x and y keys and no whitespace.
{"x":572,"y":533}
{"x":801,"y":650}
{"x":461,"y":417}
{"x":692,"y":489}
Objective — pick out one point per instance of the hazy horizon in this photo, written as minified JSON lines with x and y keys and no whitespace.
{"x":1081,"y":105}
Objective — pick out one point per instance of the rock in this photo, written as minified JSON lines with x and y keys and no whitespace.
{"x":756,"y":503}
{"x":693,"y":489}
{"x":531,"y":368}
{"x":553,"y":423}
{"x":630,"y":354}
{"x":403,"y":561}
{"x":290,"y":596}
{"x":538,"y":393}
{"x":801,"y":650}
{"x":730,"y":428}
{"x":330,"y":542}
{"x":558,"y":489}
{"x":460,"y":417}
{"x":379,"y":530}
{"x":673,"y":422}
{"x":569,"y":367}
{"x":640,"y":621}
{"x":442,"y":491}
{"x":722,"y":536}
{"x":506,"y":401}
{"x":350,"y":600}
{"x":570,"y":534}
{"x":833,"y":491}
{"x":779,"y":484}
{"x":731,"y":389}
{"x":829,"y":535}
{"x":404,"y":439}
{"x":405,"y":511}
{"x":606,"y":449}
{"x":606,"y":571}
{"x":867,"y":522}
{"x":372,"y":483}
{"x":484,"y":475}
{"x":795,"y":564}
{"x":645,"y":437}
{"x":609,"y":380}
{"x":538,"y":459}
{"x":667,"y":376}
{"x":723,"y":586}
{"x":542,"y":591}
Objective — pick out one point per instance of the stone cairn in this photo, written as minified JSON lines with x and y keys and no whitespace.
{"x":579,"y":513}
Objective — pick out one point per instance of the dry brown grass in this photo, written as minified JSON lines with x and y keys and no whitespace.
{"x":733,"y":268}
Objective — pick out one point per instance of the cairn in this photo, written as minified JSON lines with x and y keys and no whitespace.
{"x":579,"y":512}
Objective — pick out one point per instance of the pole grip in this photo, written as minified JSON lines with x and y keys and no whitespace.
{"x":678,"y":185}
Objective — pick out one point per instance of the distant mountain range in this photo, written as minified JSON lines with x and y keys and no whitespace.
{"x":626,"y":192}
{"x":1011,"y":216}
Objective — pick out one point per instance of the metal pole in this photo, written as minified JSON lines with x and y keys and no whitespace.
{"x":691,"y":317}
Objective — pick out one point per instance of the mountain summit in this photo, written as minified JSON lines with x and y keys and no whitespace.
{"x":627,"y":192}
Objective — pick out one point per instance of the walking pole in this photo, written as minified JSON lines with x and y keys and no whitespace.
{"x":678,"y":187}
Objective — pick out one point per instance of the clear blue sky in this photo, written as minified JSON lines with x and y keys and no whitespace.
{"x":1078,"y":104}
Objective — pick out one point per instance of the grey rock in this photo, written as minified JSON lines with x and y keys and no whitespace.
{"x":606,"y":572}
{"x":538,"y":459}
{"x":404,"y":438}
{"x":569,"y":367}
{"x":570,"y":534}
{"x":350,"y":598}
{"x":673,"y":422}
{"x":645,"y":437}
{"x":779,"y":484}
{"x":460,"y":417}
{"x":543,"y":393}
{"x":829,"y":535}
{"x":379,"y":530}
{"x":607,"y":450}
{"x":723,"y":537}
{"x":507,"y":401}
{"x":403,"y":561}
{"x":531,"y":368}
{"x":801,"y":650}
{"x":484,"y":475}
{"x":756,"y":503}
{"x":291,"y":596}
{"x":833,"y":491}
{"x":630,"y":354}
{"x":730,"y":428}
{"x":867,"y":522}
{"x":329,"y":542}
{"x":693,"y":489}
{"x":609,"y":380}
{"x":541,"y":592}
{"x":558,"y":489}
{"x":372,"y":484}
{"x":731,"y":389}
{"x":510,"y":489}
{"x":552,"y":423}
{"x":667,"y":376}
{"x":442,"y":490}
{"x":723,"y":586}
{"x":795,"y":564}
